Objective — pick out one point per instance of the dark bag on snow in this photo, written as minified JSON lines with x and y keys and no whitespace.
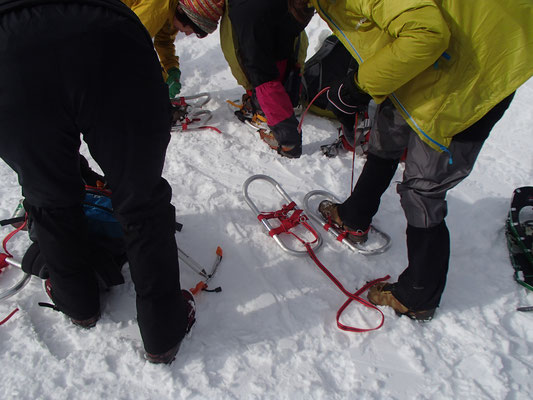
{"x":330,"y":63}
{"x":106,"y":241}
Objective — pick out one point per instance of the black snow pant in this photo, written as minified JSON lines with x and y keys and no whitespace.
{"x":67,"y":68}
{"x":427,"y":177}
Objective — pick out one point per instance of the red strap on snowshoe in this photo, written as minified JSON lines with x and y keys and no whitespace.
{"x":3,"y":262}
{"x":185,"y":125}
{"x":351,"y":296}
{"x":289,"y":217}
{"x":7,"y":254}
{"x":294,"y":219}
{"x":341,"y":236}
{"x":13,"y":233}
{"x":9,"y":316}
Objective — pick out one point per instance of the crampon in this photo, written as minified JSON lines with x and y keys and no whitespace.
{"x":255,"y":120}
{"x":346,"y":140}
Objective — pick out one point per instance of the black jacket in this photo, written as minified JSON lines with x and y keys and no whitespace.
{"x":265,"y":33}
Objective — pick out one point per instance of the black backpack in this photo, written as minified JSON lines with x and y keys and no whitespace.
{"x":330,"y":63}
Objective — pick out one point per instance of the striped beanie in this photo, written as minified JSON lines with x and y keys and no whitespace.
{"x":204,"y":13}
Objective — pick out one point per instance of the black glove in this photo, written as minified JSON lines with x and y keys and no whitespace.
{"x":287,"y":137}
{"x":346,"y":99}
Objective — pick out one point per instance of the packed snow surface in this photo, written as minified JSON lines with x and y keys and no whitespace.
{"x":271,"y":332}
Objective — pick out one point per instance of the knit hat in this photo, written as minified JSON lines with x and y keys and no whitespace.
{"x":204,"y":13}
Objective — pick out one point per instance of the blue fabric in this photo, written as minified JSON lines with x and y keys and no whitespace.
{"x":100,"y":219}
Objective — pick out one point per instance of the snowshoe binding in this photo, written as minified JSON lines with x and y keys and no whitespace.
{"x":289,"y":226}
{"x":368,"y":242}
{"x":188,"y":114}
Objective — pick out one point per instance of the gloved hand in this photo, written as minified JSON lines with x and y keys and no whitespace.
{"x":346,"y":99}
{"x":287,"y":137}
{"x":173,"y":82}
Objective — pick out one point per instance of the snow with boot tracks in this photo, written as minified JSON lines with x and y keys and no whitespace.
{"x":271,"y":332}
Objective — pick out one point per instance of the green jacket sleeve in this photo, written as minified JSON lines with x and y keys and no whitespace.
{"x":420,"y":36}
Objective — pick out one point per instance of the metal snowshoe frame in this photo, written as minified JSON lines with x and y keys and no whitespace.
{"x":191,"y":116}
{"x":276,"y":236}
{"x":336,"y":233}
{"x":310,"y":250}
{"x":19,"y":285}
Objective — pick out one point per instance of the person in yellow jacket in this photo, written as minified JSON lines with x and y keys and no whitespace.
{"x":165,"y":18}
{"x":442,"y":72}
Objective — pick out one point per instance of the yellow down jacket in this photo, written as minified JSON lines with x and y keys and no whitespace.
{"x":443,"y":63}
{"x":157,"y":17}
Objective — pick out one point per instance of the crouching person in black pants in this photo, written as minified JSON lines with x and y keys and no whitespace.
{"x":89,"y":52}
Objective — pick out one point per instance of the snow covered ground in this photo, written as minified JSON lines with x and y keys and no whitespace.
{"x":271,"y":332}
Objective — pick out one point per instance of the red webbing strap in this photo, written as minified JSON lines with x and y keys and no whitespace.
{"x":3,"y":262}
{"x":9,"y":236}
{"x":351,"y":296}
{"x":309,"y":106}
{"x":210,"y":127}
{"x":185,"y":125}
{"x":9,"y":316}
{"x":180,"y":101}
{"x":327,"y":226}
{"x":288,"y":222}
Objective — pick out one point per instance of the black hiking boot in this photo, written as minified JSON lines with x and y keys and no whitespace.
{"x":330,"y":213}
{"x":289,"y":151}
{"x":87,"y":323}
{"x":168,"y":356}
{"x":381,"y":295}
{"x":292,"y":151}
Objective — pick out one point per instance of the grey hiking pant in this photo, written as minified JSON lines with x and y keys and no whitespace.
{"x":428,"y":173}
{"x":427,"y":177}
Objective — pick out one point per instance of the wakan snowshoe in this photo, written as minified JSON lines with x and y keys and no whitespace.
{"x":189,"y":115}
{"x":519,"y":234}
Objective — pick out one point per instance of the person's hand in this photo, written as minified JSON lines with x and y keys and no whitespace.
{"x":173,"y":82}
{"x":346,"y":99}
